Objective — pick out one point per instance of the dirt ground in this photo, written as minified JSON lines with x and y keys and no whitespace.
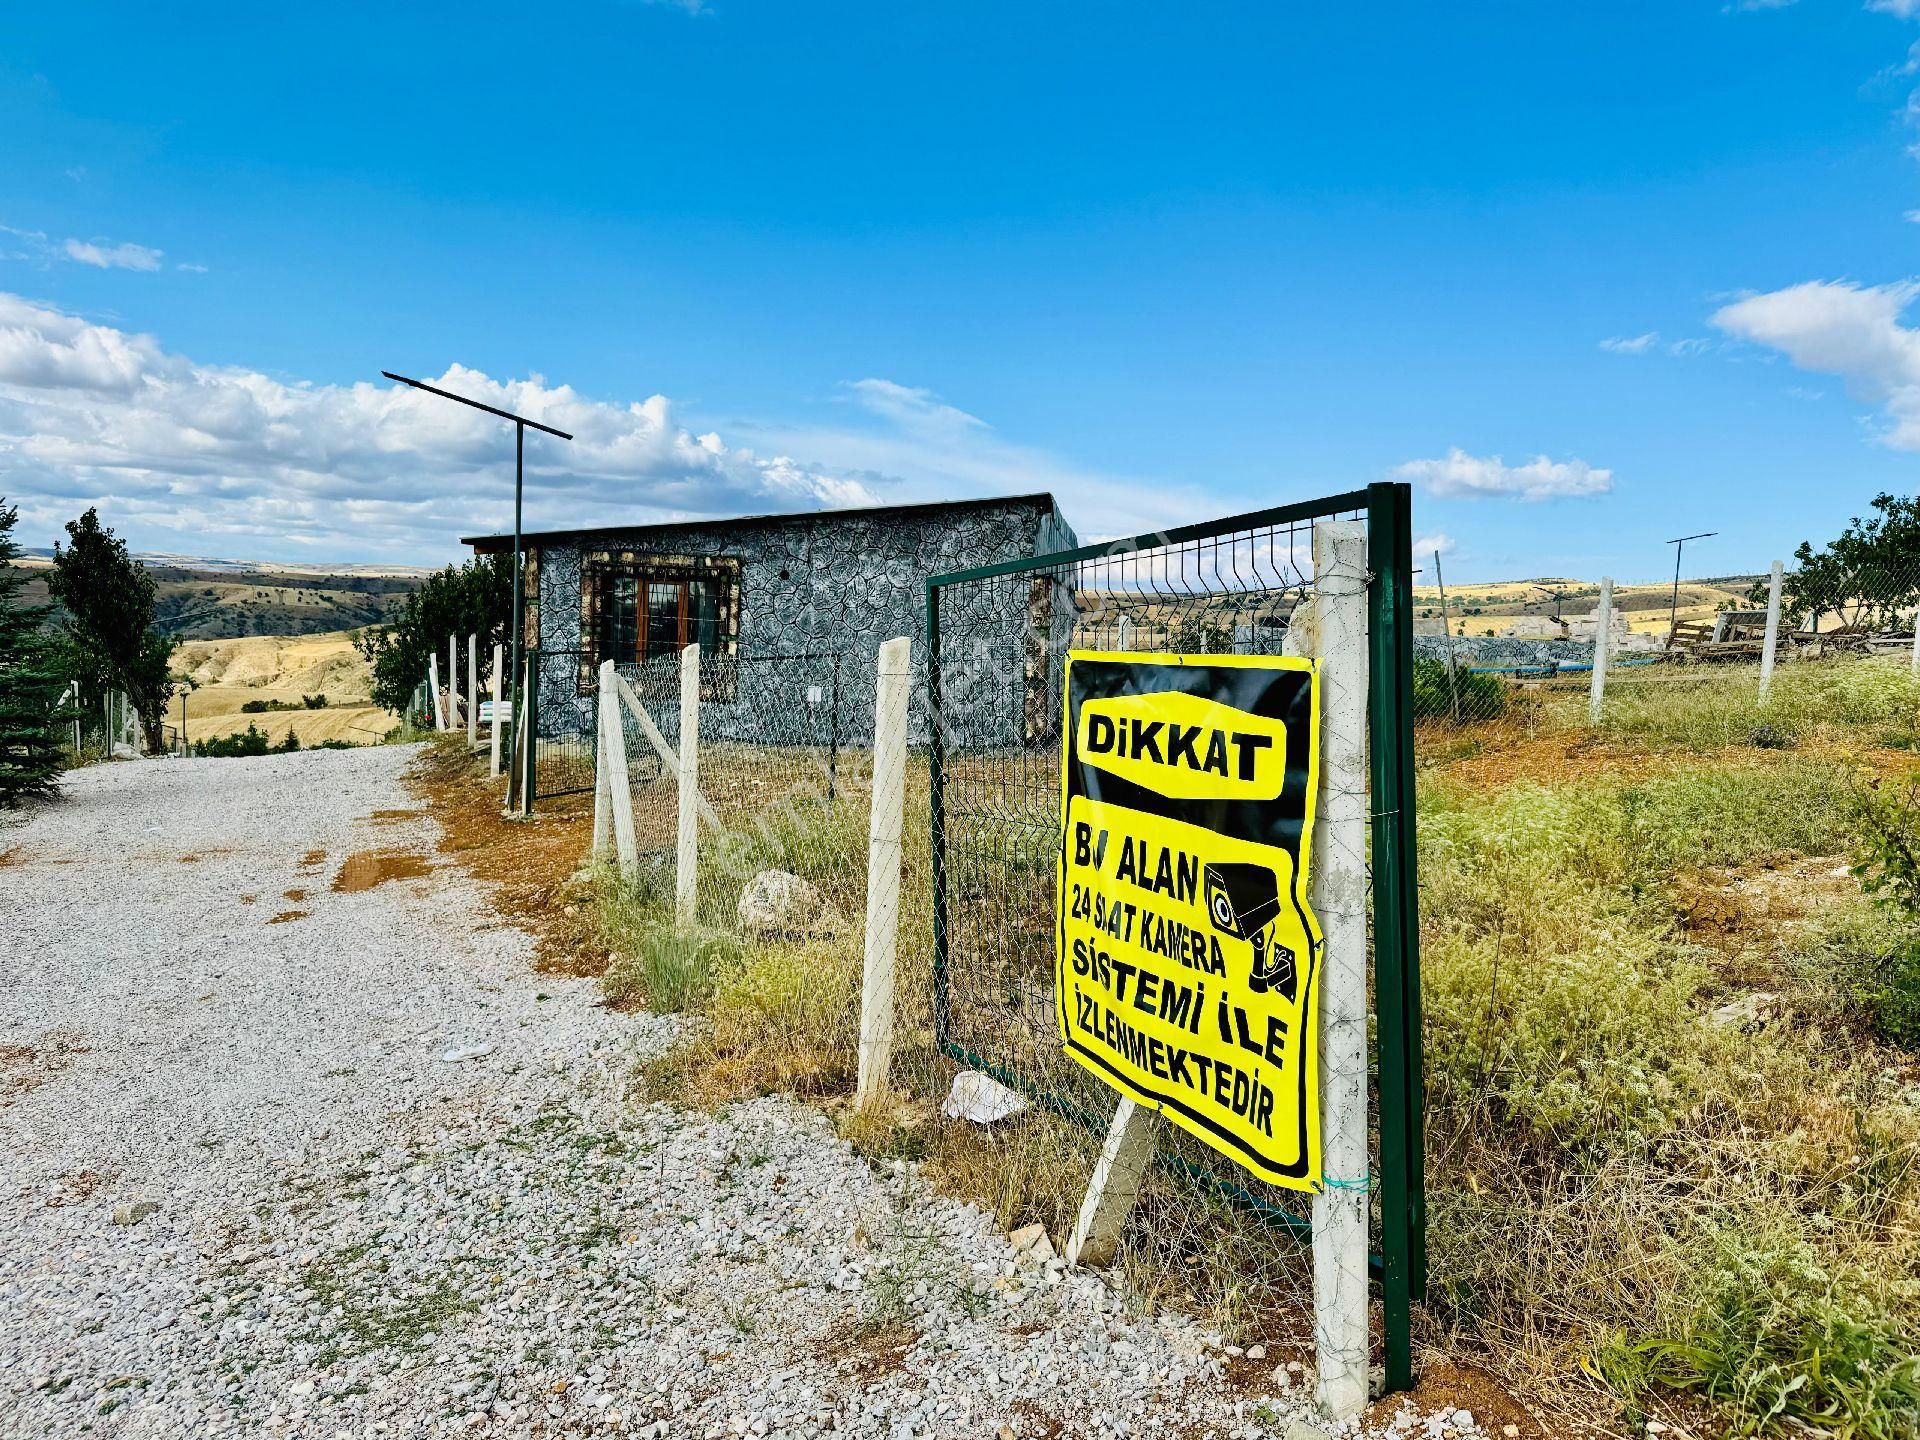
{"x":532,"y":867}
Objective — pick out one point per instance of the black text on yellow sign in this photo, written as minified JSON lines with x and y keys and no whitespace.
{"x":1187,"y":953}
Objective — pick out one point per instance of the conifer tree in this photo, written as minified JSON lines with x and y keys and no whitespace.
{"x":32,"y":683}
{"x":109,"y":599}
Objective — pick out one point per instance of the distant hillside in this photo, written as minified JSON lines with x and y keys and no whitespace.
{"x":221,"y":600}
{"x":227,"y":675}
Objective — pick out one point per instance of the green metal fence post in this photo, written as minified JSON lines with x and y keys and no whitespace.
{"x":1396,"y":921}
{"x":528,"y":791}
{"x":936,"y":790}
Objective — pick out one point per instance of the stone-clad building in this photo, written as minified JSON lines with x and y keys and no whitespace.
{"x":824,"y":587}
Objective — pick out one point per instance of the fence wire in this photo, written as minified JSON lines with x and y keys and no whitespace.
{"x":1204,"y":1229}
{"x":1685,"y":666}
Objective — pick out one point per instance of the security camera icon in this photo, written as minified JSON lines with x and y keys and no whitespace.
{"x":1244,"y":901}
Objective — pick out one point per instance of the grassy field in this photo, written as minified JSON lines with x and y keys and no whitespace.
{"x":229,"y":674}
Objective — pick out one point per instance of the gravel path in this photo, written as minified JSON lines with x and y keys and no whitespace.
{"x":279,"y":1159}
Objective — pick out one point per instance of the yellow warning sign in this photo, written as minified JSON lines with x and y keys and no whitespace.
{"x":1187,"y":953}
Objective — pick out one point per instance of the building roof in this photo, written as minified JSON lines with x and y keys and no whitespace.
{"x":489,"y":544}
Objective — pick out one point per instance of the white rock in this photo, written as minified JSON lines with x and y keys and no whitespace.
{"x":778,"y":903}
{"x":981,"y":1099}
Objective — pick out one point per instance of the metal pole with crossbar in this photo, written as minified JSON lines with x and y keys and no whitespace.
{"x":520,"y":424}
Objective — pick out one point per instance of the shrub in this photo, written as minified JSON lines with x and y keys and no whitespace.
{"x":1774,"y":1336}
{"x":252,"y":741}
{"x":1474,"y":697}
{"x":227,"y":747}
{"x":670,"y":971}
{"x":314,"y":702}
{"x":784,"y":1017}
{"x":1885,"y":983}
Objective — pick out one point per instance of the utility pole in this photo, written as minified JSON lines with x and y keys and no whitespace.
{"x":520,"y":424}
{"x":1679,"y":548}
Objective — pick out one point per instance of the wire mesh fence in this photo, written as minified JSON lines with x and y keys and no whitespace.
{"x":1694,"y":664}
{"x":785,"y":763}
{"x":1250,"y":588}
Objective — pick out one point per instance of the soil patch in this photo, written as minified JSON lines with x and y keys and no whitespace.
{"x":1444,"y":1385}
{"x":530,"y":866}
{"x":313,"y":859}
{"x":869,"y":1352}
{"x":13,"y":855}
{"x":285,"y":915}
{"x":28,"y":1067}
{"x":395,"y":817}
{"x":365,"y":869}
{"x":296,"y":895}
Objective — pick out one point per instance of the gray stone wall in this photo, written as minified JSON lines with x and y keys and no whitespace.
{"x":823,"y":585}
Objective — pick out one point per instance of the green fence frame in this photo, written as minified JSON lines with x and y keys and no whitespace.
{"x":1401,"y":1264}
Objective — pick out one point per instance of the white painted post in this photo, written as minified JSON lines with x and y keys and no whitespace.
{"x":1773,"y":632}
{"x":1340,"y":899}
{"x":1916,"y":644}
{"x":687,"y":853}
{"x":453,"y":679}
{"x":496,"y":727}
{"x":473,"y":691}
{"x":883,"y":865}
{"x":611,"y":761}
{"x":433,"y":681}
{"x":1115,"y":1185}
{"x":1602,"y":650}
{"x":669,"y":757}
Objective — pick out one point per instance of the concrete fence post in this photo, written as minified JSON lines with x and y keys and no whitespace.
{"x":894,"y":675}
{"x":1916,"y":644}
{"x":686,"y":865}
{"x":611,"y":780}
{"x":433,"y":683}
{"x":1602,"y":650}
{"x":1339,"y":882}
{"x":1110,"y":1197}
{"x":453,"y":680}
{"x":1768,"y":646}
{"x":498,"y":724}
{"x":473,"y":691}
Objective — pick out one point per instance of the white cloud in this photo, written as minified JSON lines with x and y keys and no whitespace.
{"x":926,"y":447}
{"x":1692,"y":345}
{"x":191,"y":268}
{"x":1905,"y":9}
{"x":1853,"y":331}
{"x":1912,"y":217}
{"x":90,"y":414}
{"x":125,"y":256}
{"x":1631,"y":344}
{"x":1464,"y":476}
{"x":1436,"y":544}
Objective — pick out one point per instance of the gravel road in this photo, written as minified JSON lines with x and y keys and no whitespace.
{"x":283,"y":1159}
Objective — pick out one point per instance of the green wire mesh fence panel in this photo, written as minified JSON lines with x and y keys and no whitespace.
{"x":998,"y":638}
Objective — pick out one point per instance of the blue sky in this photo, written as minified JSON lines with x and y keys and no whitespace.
{"x":1591,"y":276}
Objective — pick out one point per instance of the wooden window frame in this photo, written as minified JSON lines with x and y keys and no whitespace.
{"x":599,"y":568}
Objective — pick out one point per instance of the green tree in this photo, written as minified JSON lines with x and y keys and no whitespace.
{"x":461,"y":600}
{"x":109,"y":600}
{"x":33,"y":683}
{"x":1869,"y":575}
